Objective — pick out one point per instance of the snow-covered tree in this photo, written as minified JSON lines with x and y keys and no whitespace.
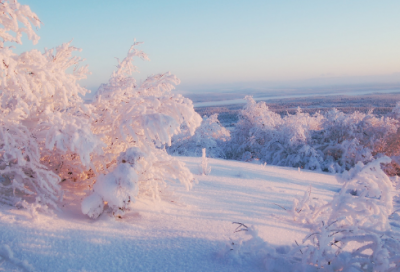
{"x":136,"y":122}
{"x":48,"y":134}
{"x":265,"y":135}
{"x":253,"y":130}
{"x":332,"y":142}
{"x":42,"y":113}
{"x":210,"y":135}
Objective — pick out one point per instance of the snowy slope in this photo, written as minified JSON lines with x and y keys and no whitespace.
{"x":187,"y":233}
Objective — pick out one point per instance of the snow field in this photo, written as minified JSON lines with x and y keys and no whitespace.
{"x":187,"y":231}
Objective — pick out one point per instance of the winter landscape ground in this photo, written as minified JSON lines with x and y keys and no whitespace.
{"x":189,"y":231}
{"x":185,"y":231}
{"x":141,"y":178}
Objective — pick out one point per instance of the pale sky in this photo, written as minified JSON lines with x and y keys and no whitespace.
{"x":212,"y":43}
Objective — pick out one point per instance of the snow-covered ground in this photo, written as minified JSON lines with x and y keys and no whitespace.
{"x":188,"y":232}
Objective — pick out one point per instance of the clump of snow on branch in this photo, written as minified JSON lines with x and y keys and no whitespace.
{"x":13,"y":15}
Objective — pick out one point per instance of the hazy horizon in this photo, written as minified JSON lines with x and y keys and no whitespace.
{"x":228,"y":44}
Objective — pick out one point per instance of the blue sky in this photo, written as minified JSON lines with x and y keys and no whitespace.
{"x":208,"y":44}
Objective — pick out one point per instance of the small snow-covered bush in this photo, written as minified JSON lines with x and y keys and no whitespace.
{"x":210,"y":135}
{"x":49,"y":135}
{"x":352,"y":232}
{"x":205,"y":169}
{"x":245,"y":244}
{"x":118,"y":188}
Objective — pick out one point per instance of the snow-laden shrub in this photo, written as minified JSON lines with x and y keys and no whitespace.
{"x":352,"y":232}
{"x":391,"y":145}
{"x":210,"y":135}
{"x":42,"y":113}
{"x":49,"y":135}
{"x":246,"y":245}
{"x":350,"y":138}
{"x":332,"y":142}
{"x":143,"y":117}
{"x":291,"y":145}
{"x":265,"y":135}
{"x":254,"y":129}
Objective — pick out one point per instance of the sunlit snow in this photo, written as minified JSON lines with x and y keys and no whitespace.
{"x":187,"y":233}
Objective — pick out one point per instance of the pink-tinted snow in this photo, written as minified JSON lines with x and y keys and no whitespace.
{"x":186,"y":232}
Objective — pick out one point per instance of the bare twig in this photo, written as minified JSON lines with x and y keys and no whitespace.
{"x":311,"y":235}
{"x":280,"y":206}
{"x":331,"y":224}
{"x":245,"y":228}
{"x":298,"y":246}
{"x":334,"y":244}
{"x":330,"y":235}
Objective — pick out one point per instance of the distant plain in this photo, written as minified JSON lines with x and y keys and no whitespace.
{"x":379,"y":103}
